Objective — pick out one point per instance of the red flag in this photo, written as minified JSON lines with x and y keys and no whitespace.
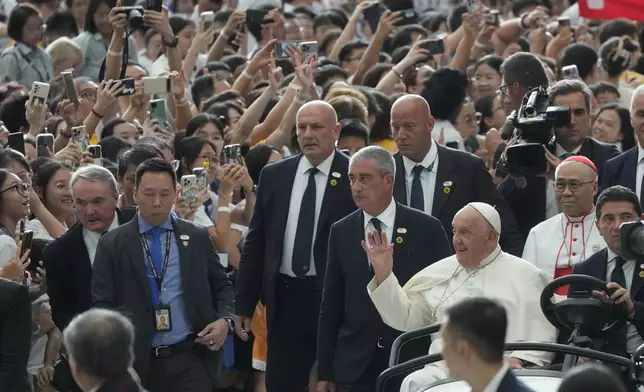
{"x":611,"y":9}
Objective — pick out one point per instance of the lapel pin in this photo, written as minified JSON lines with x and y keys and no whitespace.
{"x":399,"y":240}
{"x":641,"y":274}
{"x":641,"y":266}
{"x":446,"y":190}
{"x":336,"y":174}
{"x":333,"y":182}
{"x":401,"y":230}
{"x":184,"y":239}
{"x":447,"y":183}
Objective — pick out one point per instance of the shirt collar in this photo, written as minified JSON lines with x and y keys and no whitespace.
{"x":429,"y":159}
{"x":144,"y":226}
{"x":486,"y":261}
{"x":24,"y":49}
{"x":560,"y":151}
{"x":495,"y":383}
{"x":387,"y":217}
{"x":612,"y":256}
{"x":324,"y":167}
{"x":590,"y":216}
{"x":640,"y":153}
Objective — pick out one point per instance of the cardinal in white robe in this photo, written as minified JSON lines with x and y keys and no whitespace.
{"x":478,"y":269}
{"x":572,"y":236}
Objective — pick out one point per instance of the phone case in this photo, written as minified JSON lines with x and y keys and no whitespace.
{"x":40,"y":90}
{"x":16,"y":141}
{"x":70,"y":89}
{"x":232,"y":154}
{"x":202,"y":177}
{"x":156,"y":85}
{"x":128,"y":87}
{"x":157,"y":112}
{"x":80,"y":137}
{"x":281,"y":45}
{"x":189,"y":187}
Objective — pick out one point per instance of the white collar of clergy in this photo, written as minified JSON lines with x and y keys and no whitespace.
{"x":487,"y":260}
{"x":579,"y":218}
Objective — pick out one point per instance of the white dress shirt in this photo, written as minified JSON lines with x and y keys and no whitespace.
{"x":495,"y":383}
{"x":387,"y":220}
{"x":427,"y":177}
{"x":551,"y":204}
{"x":640,"y":170}
{"x":297,"y":194}
{"x":91,"y":238}
{"x":446,"y":130}
{"x":633,"y":338}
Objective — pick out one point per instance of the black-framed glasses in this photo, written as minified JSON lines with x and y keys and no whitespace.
{"x":574,"y":185}
{"x":22,"y":189}
{"x":505,"y":88}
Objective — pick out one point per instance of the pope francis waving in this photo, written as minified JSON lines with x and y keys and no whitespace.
{"x":478,"y":269}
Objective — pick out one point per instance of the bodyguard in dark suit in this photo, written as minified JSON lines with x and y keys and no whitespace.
{"x":474,"y":340}
{"x":353,"y":341}
{"x":440,"y":180}
{"x":68,"y":260}
{"x":100,"y":345}
{"x":531,"y":198}
{"x":15,"y":335}
{"x":165,"y":274}
{"x":284,"y":255}
{"x":615,"y":206}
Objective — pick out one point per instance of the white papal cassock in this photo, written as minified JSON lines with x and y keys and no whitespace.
{"x":557,"y":244}
{"x":513,"y":282}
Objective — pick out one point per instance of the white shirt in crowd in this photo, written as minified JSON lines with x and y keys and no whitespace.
{"x":446,"y":130}
{"x":297,"y":194}
{"x":91,"y":238}
{"x":513,"y":282}
{"x":427,"y":177}
{"x":633,"y":338}
{"x":551,"y":204}
{"x":202,"y":218}
{"x":562,"y":242}
{"x":387,"y":220}
{"x":8,"y":248}
{"x":39,"y":230}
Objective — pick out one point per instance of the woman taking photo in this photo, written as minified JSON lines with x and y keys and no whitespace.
{"x":51,"y":182}
{"x":25,"y":62}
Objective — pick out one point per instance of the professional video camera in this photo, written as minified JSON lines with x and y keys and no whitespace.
{"x":532,"y":125}
{"x":632,"y":240}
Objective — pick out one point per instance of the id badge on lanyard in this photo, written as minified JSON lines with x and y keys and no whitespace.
{"x":162,"y":312}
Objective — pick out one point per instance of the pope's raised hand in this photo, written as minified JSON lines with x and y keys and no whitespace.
{"x":380,"y":253}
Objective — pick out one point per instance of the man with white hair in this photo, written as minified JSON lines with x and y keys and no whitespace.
{"x":557,"y":244}
{"x":479,"y":268}
{"x":627,"y":169}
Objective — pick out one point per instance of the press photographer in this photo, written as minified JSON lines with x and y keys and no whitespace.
{"x":532,"y":195}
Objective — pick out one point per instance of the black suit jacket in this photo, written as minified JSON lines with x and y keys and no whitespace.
{"x":15,"y":335}
{"x":529,"y":203}
{"x":596,"y":266}
{"x":470,"y":182}
{"x":350,"y":327}
{"x":124,"y":383}
{"x":261,"y":255}
{"x":511,"y":383}
{"x":120,"y":281}
{"x":69,"y":273}
{"x":621,"y":170}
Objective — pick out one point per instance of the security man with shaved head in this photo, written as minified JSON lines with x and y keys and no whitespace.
{"x":285,"y":252}
{"x":557,"y":244}
{"x":437,"y":179}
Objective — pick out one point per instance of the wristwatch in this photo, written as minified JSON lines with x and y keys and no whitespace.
{"x":173,"y":43}
{"x":231,"y":324}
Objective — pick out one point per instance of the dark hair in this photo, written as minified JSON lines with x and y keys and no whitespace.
{"x":348,"y":48}
{"x":113,"y":147}
{"x":213,"y":66}
{"x":178,"y":23}
{"x":617,"y":193}
{"x":155,"y":165}
{"x":604,"y":87}
{"x":90,"y":25}
{"x":135,"y":157}
{"x":481,"y":322}
{"x":62,"y":22}
{"x":51,"y":125}
{"x":303,"y":11}
{"x":567,"y":87}
{"x":432,"y":20}
{"x":626,"y":128}
{"x":491,"y":60}
{"x":526,"y":69}
{"x":591,"y":377}
{"x":373,"y":108}
{"x":222,"y":16}
{"x":200,"y":120}
{"x":404,"y":35}
{"x":381,"y":128}
{"x":12,"y":112}
{"x":155,"y":142}
{"x":202,"y":89}
{"x":190,"y":149}
{"x":328,"y":73}
{"x":329,"y":37}
{"x":484,"y":105}
{"x":4,"y":173}
{"x":617,"y":28}
{"x":373,"y":75}
{"x":581,"y":55}
{"x":352,"y":127}
{"x":456,"y":17}
{"x":612,"y":62}
{"x":108,"y":129}
{"x":234,"y":61}
{"x":43,"y":176}
{"x":256,"y":158}
{"x":519,"y":5}
{"x":328,"y":18}
{"x":445,"y":92}
{"x":222,"y":97}
{"x":18,"y":19}
{"x":9,"y":156}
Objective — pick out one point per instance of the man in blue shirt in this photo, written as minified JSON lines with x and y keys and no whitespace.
{"x":164,"y":273}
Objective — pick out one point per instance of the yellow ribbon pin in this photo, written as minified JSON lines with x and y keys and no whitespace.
{"x":333,"y":182}
{"x":399,"y":240}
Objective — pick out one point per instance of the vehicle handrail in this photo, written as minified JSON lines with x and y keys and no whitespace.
{"x":516,"y":346}
{"x":405,"y":337}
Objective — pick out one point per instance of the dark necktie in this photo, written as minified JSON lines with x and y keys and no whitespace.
{"x":417,"y":199}
{"x":377,"y":225}
{"x":567,"y":155}
{"x":304,"y":235}
{"x":618,"y":273}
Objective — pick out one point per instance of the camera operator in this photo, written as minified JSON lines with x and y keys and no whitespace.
{"x":615,"y":206}
{"x":532,"y":198}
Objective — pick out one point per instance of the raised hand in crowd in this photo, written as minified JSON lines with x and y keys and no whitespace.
{"x":118,"y":19}
{"x":36,"y":112}
{"x":15,"y":269}
{"x":106,"y":96}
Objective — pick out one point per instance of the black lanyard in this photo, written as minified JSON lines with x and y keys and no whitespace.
{"x":158,"y":278}
{"x":41,"y":79}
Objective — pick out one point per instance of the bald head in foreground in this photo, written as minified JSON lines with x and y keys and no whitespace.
{"x":479,"y":268}
{"x":317,"y":130}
